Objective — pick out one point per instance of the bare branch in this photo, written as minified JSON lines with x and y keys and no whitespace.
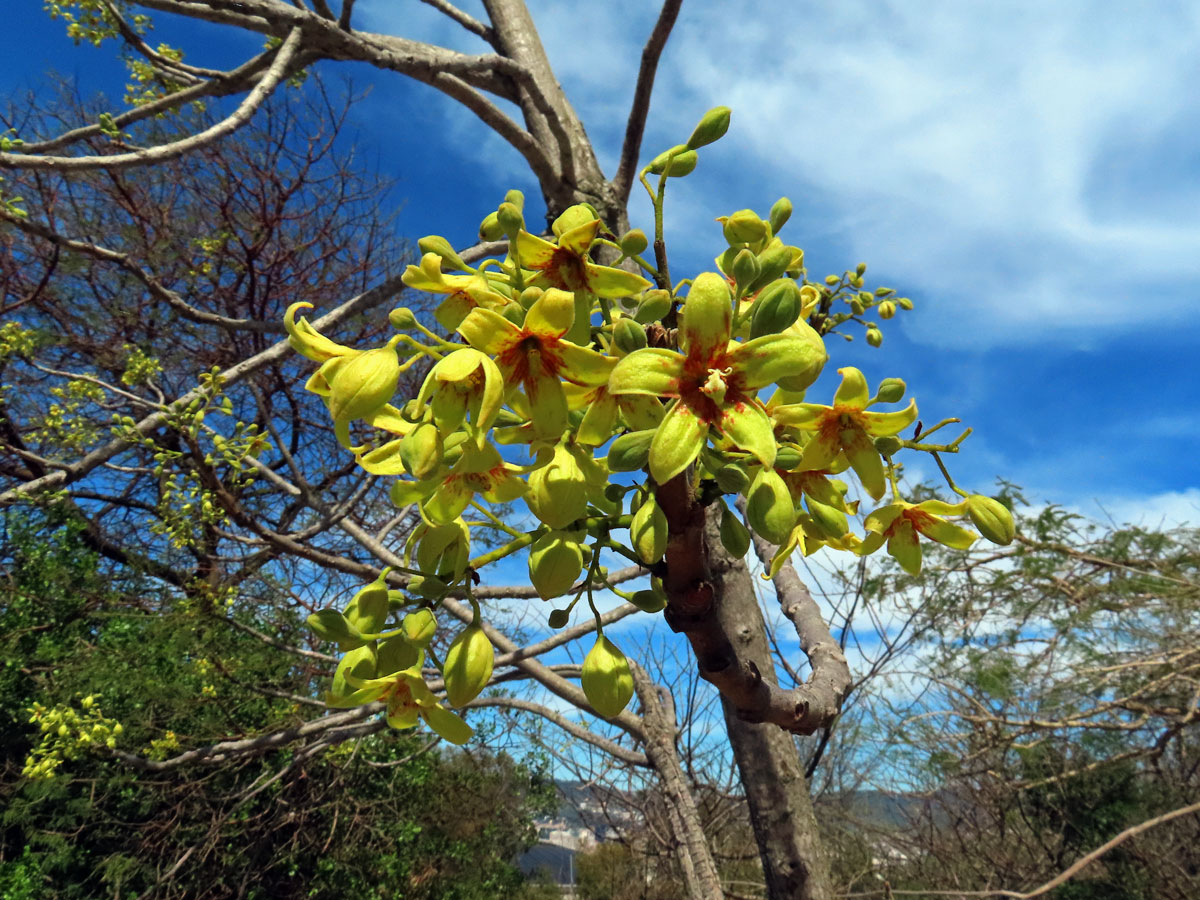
{"x":280,"y":69}
{"x":468,"y":22}
{"x":572,"y":728}
{"x":636,"y":126}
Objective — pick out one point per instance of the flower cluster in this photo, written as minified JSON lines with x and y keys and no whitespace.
{"x":559,"y":368}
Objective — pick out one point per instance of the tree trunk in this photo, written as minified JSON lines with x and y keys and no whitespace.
{"x":795,"y":864}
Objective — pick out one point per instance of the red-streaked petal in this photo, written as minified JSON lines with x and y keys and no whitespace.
{"x":773,"y":357}
{"x":750,"y":429}
{"x":489,"y":332}
{"x":890,"y":423}
{"x":707,"y":317}
{"x":653,"y":371}
{"x":677,"y":442}
{"x":853,"y":390}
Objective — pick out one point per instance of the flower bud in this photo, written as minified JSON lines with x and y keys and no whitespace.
{"x":772,"y":263}
{"x":421,"y":450}
{"x":711,"y":128}
{"x":630,"y":452}
{"x":769,"y":507}
{"x":402,"y":319}
{"x":887,"y":309}
{"x":558,"y":618}
{"x":904,"y":303}
{"x":419,"y":627}
{"x":787,"y":458}
{"x":434,"y":243}
{"x":655,"y":304}
{"x":735,"y":536}
{"x":368,"y":609}
{"x":558,"y":490}
{"x":776,"y":308}
{"x":860,"y":270}
{"x":628,"y":335}
{"x":683,"y":163}
{"x":331,"y":625}
{"x":489,"y":228}
{"x":743,"y":227}
{"x":992,"y":518}
{"x":831,"y":522}
{"x":606,"y":678}
{"x":573,"y":217}
{"x":780,"y":213}
{"x":395,"y":655}
{"x":745,"y":268}
{"x":732,"y":478}
{"x":365,"y":383}
{"x":555,"y":563}
{"x":891,"y":390}
{"x":874,"y":337}
{"x":516,"y":198}
{"x":428,"y":586}
{"x":634,"y":242}
{"x":468,"y":666}
{"x":888,"y":446}
{"x":856,"y":306}
{"x":648,"y":531}
{"x":649,"y":601}
{"x":510,"y":220}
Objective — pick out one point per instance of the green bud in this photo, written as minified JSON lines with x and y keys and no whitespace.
{"x":772,"y":263}
{"x":874,"y":337}
{"x":992,"y":518}
{"x":558,"y":618}
{"x":735,"y":536}
{"x":745,"y":268}
{"x":891,"y":390}
{"x":830,"y":521}
{"x":573,"y":217}
{"x":743,"y":227}
{"x":402,"y":319}
{"x":648,"y":531}
{"x":606,"y":678}
{"x":558,"y":490}
{"x":468,"y":666}
{"x":368,"y":609}
{"x":711,"y":128}
{"x":428,"y":586}
{"x":630,"y":452}
{"x":831,"y":280}
{"x":510,"y":219}
{"x":530,"y":296}
{"x":364,"y":383}
{"x":419,"y":627}
{"x":887,"y":309}
{"x":683,"y":163}
{"x":732,"y":478}
{"x":787,"y":458}
{"x":780,"y":213}
{"x":628,"y":335}
{"x":555,"y":563}
{"x":489,"y":228}
{"x":649,"y":601}
{"x":888,"y":446}
{"x":421,"y":450}
{"x":856,"y":306}
{"x":516,"y":198}
{"x":331,"y":625}
{"x":655,"y":304}
{"x":634,"y":242}
{"x":395,"y":654}
{"x":777,"y":308}
{"x":904,"y":303}
{"x":434,"y":243}
{"x":860,"y":270}
{"x":769,"y":507}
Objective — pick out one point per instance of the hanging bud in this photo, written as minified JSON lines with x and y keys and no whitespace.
{"x":628,"y":335}
{"x":772,"y":263}
{"x":732,"y":478}
{"x":655,"y":304}
{"x":368,"y":609}
{"x":787,"y":458}
{"x":887,"y":309}
{"x":434,"y":243}
{"x":421,"y":450}
{"x":831,"y":522}
{"x":648,"y":531}
{"x":558,"y":490}
{"x":555,"y":563}
{"x":331,"y":625}
{"x":489,"y":228}
{"x":420,"y":627}
{"x":769,"y":507}
{"x":743,"y":227}
{"x":682,"y":162}
{"x":776,"y":308}
{"x":874,"y":337}
{"x":364,"y":383}
{"x":468,"y":666}
{"x":992,"y":518}
{"x":711,"y":128}
{"x":634,"y":242}
{"x":402,"y":319}
{"x":780,"y":213}
{"x":558,"y":618}
{"x":630,"y":452}
{"x":516,"y":198}
{"x":891,"y":390}
{"x":735,"y":536}
{"x":649,"y":601}
{"x":606,"y":678}
{"x":888,"y":446}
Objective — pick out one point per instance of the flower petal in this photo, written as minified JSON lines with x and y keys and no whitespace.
{"x":606,"y":281}
{"x":447,"y":725}
{"x":853,"y":390}
{"x":653,"y":371}
{"x":707,"y":317}
{"x":583,"y":365}
{"x":533,"y":251}
{"x":383,"y":460}
{"x":946,"y":533}
{"x":547,"y":404}
{"x":489,"y":331}
{"x":891,"y":423}
{"x":905,"y":548}
{"x":599,"y":421}
{"x":551,"y":315}
{"x":864,"y":459}
{"x":749,"y":428}
{"x":768,"y":359}
{"x":677,"y":442}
